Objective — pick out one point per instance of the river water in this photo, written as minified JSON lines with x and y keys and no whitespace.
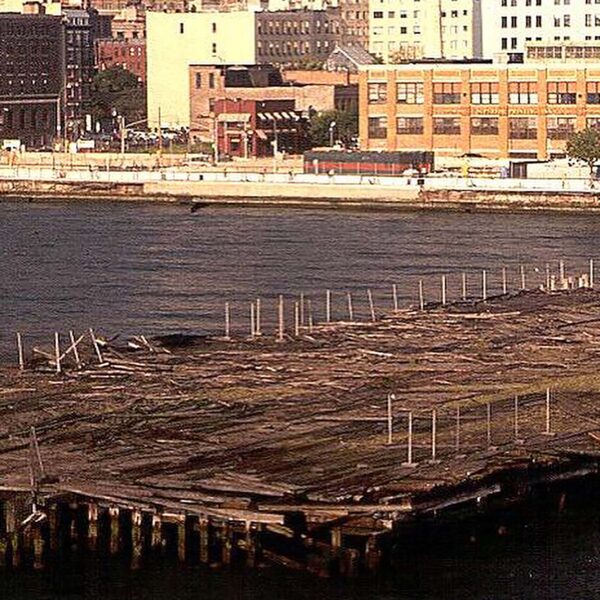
{"x":140,"y":268}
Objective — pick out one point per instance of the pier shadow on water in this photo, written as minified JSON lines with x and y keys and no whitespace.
{"x":545,"y":549}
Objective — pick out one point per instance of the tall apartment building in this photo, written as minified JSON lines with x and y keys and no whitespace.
{"x":511,"y":24}
{"x":500,"y":111}
{"x":31,"y":78}
{"x":415,"y":29}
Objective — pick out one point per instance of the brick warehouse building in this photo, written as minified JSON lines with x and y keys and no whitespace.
{"x":129,"y":54}
{"x":499,"y":111}
{"x":32,"y":69}
{"x":255,"y":128}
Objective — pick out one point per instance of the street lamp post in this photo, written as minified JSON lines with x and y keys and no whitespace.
{"x":332,"y":126}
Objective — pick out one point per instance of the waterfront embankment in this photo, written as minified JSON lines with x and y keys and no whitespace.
{"x":179,"y":184}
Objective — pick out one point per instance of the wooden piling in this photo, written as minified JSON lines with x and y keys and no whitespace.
{"x":457,"y":432}
{"x":371,"y":305}
{"x":302,"y":321}
{"x":203,"y":532}
{"x":296,"y":319}
{"x":75,"y":351}
{"x":516,"y":420}
{"x":57,"y":350}
{"x":96,"y":346}
{"x":136,"y":539}
{"x":310,"y":316}
{"x":443,"y":291}
{"x":433,"y":436}
{"x":20,"y":352}
{"x":421,"y":299}
{"x":252,"y":320}
{"x":489,"y":424}
{"x":395,"y":297}
{"x":591,"y":273}
{"x":484,"y":285}
{"x":409,"y":448}
{"x":257,"y":328}
{"x":522,"y":270}
{"x":504,"y":282}
{"x":390,"y":418}
{"x":350,"y":310}
{"x":328,"y":306}
{"x":227,"y":322}
{"x":464,"y":286}
{"x":92,"y":527}
{"x":561,"y":269}
{"x":156,"y":540}
{"x":37,"y":541}
{"x":181,"y":538}
{"x":280,"y":319}
{"x":548,"y":413}
{"x":115,"y":533}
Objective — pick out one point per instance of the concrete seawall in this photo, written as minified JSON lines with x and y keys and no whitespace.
{"x":322,"y":195}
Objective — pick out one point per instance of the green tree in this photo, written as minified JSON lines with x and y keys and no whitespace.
{"x":584,"y":146}
{"x":118,"y":90}
{"x":345,"y":128}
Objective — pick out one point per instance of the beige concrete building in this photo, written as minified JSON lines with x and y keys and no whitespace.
{"x":414,"y":29}
{"x":177,"y":40}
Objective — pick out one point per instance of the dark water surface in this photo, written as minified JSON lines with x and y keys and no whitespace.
{"x":130,"y":269}
{"x":127,"y":268}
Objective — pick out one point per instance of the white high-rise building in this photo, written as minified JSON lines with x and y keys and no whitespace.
{"x":509,"y":24}
{"x":407,"y":29}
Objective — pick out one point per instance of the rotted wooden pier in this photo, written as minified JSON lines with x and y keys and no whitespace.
{"x":313,"y":452}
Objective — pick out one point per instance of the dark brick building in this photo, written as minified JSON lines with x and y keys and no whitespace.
{"x":129,"y":54}
{"x":297,"y":37}
{"x":32,"y":62}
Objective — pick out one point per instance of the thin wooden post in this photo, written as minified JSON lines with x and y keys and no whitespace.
{"x":548,"y":413}
{"x":522,"y":269}
{"x":20,"y":352}
{"x":252,"y":319}
{"x":443,"y":290}
{"x":350,"y":311}
{"x":517,"y":440}
{"x":409,"y":450}
{"x":280,"y":318}
{"x":371,"y":305}
{"x":489,"y":424}
{"x":457,"y":440}
{"x":257,"y":330}
{"x":433,"y":436}
{"x":96,"y":346}
{"x":484,"y":285}
{"x":328,"y":306}
{"x":548,"y":277}
{"x":227,"y":322}
{"x":296,"y":319}
{"x":421,"y":299}
{"x":310,"y":316}
{"x":591,"y":275}
{"x":302,"y":321}
{"x":390,"y":418}
{"x":75,"y":351}
{"x":395,"y":297}
{"x":561,"y":267}
{"x":504,"y":286}
{"x":464,"y":286}
{"x":57,"y":350}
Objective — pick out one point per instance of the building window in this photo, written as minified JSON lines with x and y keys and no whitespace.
{"x":562,"y":92}
{"x":593,"y":92}
{"x":409,"y":125}
{"x":593,"y":122}
{"x":484,"y":93}
{"x":214,"y":48}
{"x":446,"y":93}
{"x":377,"y":93}
{"x":538,"y":21}
{"x":522,"y":92}
{"x":484,"y":126}
{"x":377,"y":128}
{"x":410,"y":93}
{"x":211,"y":80}
{"x":181,"y":28}
{"x":522,"y":128}
{"x":560,"y":128}
{"x":198,"y":80}
{"x":446,"y":125}
{"x":378,"y":14}
{"x":214,"y":28}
